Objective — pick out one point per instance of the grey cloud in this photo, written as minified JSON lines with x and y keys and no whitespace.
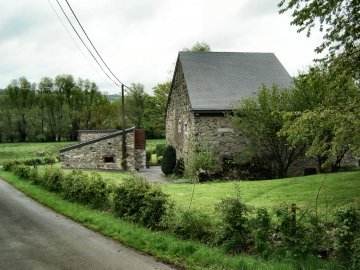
{"x":259,"y":8}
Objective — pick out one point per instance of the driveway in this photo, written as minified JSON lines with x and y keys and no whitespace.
{"x":155,"y":175}
{"x":34,"y":237}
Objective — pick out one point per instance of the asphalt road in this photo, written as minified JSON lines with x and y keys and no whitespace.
{"x":34,"y":237}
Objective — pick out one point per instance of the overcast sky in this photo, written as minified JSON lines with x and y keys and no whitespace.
{"x":140,"y":39}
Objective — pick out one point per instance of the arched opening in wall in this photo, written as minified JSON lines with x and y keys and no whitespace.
{"x":310,"y":171}
{"x":109,"y":159}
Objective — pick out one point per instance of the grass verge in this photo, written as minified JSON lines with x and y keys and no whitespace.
{"x":186,"y":254}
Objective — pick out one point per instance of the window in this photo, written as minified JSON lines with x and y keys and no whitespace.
{"x":109,"y":159}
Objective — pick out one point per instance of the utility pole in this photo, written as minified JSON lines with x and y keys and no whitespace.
{"x":123,"y":137}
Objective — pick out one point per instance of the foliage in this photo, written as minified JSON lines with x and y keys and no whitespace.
{"x":261,"y":231}
{"x":338,"y":20}
{"x":135,"y":105}
{"x":326,"y":115}
{"x":169,"y":160}
{"x":179,"y":167}
{"x":199,"y":47}
{"x":348,"y":230}
{"x":52,"y":179}
{"x":190,"y":225}
{"x":160,"y":149}
{"x":291,"y":228}
{"x":259,"y":119}
{"x":22,"y":171}
{"x":203,"y":162}
{"x":82,"y":188}
{"x":235,"y":233}
{"x":138,"y":201}
{"x":155,"y":109}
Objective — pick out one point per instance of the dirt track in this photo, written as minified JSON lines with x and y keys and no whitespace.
{"x":34,"y":237}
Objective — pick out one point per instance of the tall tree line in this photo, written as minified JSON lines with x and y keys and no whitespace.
{"x":55,"y":109}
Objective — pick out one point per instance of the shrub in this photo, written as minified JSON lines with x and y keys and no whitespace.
{"x":52,"y":179}
{"x":160,"y":149}
{"x":179,"y":167}
{"x":34,"y":175}
{"x":348,"y":229}
{"x":169,"y":160}
{"x":203,"y":163}
{"x":22,"y":171}
{"x":33,"y":162}
{"x":261,"y":231}
{"x":73,"y":185}
{"x":235,"y":233}
{"x":148,"y":157}
{"x":9,"y":164}
{"x":191,"y":225}
{"x":138,"y":201}
{"x":291,"y":229}
{"x":97,"y":192}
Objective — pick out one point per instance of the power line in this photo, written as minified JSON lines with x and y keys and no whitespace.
{"x":91,"y":42}
{"x":66,"y":29}
{"x":85,"y":44}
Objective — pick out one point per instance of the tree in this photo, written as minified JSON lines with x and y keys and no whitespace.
{"x":155,"y":107}
{"x":21,"y":97}
{"x":340,"y":22}
{"x":135,"y":104}
{"x":259,"y":119}
{"x":326,"y":116}
{"x":199,"y":47}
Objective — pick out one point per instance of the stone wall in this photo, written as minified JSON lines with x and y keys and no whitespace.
{"x":100,"y":154}
{"x":179,"y":118}
{"x":88,"y":135}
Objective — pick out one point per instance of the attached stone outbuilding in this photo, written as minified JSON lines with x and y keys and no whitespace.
{"x":102,"y":150}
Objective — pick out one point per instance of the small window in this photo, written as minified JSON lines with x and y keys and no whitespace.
{"x":109,"y":159}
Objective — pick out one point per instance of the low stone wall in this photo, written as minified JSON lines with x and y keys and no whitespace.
{"x":88,"y":135}
{"x":100,"y":154}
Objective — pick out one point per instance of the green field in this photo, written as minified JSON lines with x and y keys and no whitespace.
{"x":338,"y":189}
{"x":29,"y":150}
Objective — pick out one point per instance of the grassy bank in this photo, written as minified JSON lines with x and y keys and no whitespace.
{"x":188,"y":254}
{"x":338,"y":189}
{"x":29,"y":150}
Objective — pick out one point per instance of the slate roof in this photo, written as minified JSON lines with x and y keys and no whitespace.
{"x":216,"y":81}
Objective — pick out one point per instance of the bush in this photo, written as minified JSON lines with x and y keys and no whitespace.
{"x":235,"y":233}
{"x":169,"y":160}
{"x":73,"y":185}
{"x":261,"y":232}
{"x":9,"y":164}
{"x":52,"y":179}
{"x":191,"y":225}
{"x":138,"y":201}
{"x":97,"y":192}
{"x":179,"y":167}
{"x":148,"y":157}
{"x":348,"y":229}
{"x":291,"y":229}
{"x":203,"y":163}
{"x":22,"y":171}
{"x":160,"y":149}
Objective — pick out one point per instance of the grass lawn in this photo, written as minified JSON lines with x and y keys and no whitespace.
{"x":338,"y":189}
{"x":28,"y":150}
{"x":151,"y":144}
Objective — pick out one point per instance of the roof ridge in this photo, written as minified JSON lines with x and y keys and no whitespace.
{"x":112,"y":135}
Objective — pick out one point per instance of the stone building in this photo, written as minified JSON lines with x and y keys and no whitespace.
{"x":102,"y":150}
{"x":206,"y":86}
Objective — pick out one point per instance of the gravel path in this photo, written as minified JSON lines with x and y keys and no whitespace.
{"x":155,"y":175}
{"x":34,"y":237}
